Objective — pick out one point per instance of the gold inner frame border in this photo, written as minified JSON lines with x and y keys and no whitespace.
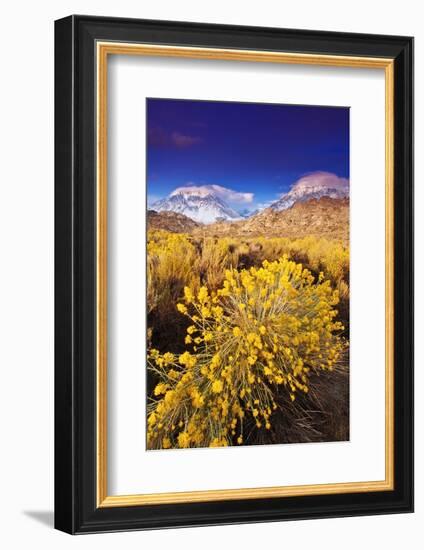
{"x":103,"y":50}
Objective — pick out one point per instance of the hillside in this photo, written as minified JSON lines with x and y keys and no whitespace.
{"x":170,"y":221}
{"x":323,"y":217}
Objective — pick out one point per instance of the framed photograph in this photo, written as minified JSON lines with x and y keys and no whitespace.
{"x":234,"y":269}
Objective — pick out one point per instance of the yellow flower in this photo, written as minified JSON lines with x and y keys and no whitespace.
{"x":169,"y":397}
{"x":152,"y":419}
{"x":187,"y":359}
{"x":173,"y":374}
{"x":203,"y":294}
{"x":217,"y":386}
{"x":206,"y":312}
{"x":166,"y":443}
{"x":217,"y":311}
{"x":181,"y":308}
{"x":183,"y":440}
{"x":161,"y":388}
{"x":168,"y":357}
{"x":197,"y":400}
{"x":188,"y":295}
{"x":215,"y":361}
{"x":262,"y":329}
{"x":237,"y":331}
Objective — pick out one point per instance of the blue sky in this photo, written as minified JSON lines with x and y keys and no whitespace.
{"x":246,"y":147}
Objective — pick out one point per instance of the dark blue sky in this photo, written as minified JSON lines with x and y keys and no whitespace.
{"x":247,"y":147}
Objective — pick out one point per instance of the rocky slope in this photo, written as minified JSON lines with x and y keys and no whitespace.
{"x":170,"y":221}
{"x":322,"y":217}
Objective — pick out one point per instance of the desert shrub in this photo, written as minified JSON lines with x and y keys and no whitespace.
{"x":262,"y":334}
{"x":178,"y":260}
{"x":170,"y":261}
{"x":316,"y":254}
{"x":331,"y":257}
{"x":215,"y":256}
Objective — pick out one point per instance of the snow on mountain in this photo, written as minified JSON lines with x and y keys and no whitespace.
{"x":313,"y":186}
{"x":202,"y":204}
{"x":211,"y":203}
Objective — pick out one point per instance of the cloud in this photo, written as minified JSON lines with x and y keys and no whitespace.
{"x":158,"y":137}
{"x":224,"y":193}
{"x":151,"y":199}
{"x":182,"y":141}
{"x":232,"y":196}
{"x":263,"y":205}
{"x":321,"y":179}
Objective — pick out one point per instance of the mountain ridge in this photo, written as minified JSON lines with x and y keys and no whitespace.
{"x":313,"y":186}
{"x":209,"y":205}
{"x":201,"y":207}
{"x":322,"y":217}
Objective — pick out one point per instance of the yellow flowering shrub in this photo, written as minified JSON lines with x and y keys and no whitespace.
{"x":317,"y":254}
{"x":170,"y":261}
{"x":265,"y":330}
{"x":178,"y":260}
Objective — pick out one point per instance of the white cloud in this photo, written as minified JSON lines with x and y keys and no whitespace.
{"x":228,"y":195}
{"x":151,"y":199}
{"x":262,"y":205}
{"x":321,"y":179}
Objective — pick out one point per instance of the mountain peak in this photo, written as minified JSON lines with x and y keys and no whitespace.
{"x":193,"y":191}
{"x":314,"y":186}
{"x":202,"y":204}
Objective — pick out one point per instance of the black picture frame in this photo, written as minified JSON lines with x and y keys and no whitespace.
{"x":76,"y":508}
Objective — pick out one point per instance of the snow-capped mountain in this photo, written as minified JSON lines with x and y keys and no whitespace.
{"x":314,"y":186}
{"x":201,"y":204}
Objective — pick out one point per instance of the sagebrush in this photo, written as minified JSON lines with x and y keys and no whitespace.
{"x":255,"y":325}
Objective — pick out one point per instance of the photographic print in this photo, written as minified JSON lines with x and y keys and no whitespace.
{"x":218,"y":292}
{"x":247,"y":274}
